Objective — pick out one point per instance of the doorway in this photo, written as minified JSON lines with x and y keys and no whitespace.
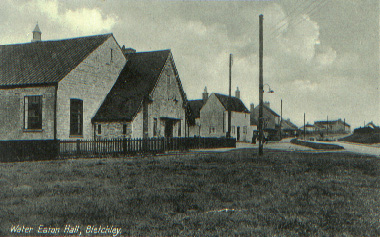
{"x":238,"y":133}
{"x":169,"y":128}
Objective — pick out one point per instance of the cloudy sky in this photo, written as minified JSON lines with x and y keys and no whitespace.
{"x":320,"y":57}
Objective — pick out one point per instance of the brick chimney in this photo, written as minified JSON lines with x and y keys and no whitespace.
{"x":237,"y":93}
{"x":205,"y":95}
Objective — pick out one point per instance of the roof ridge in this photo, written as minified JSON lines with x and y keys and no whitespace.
{"x":57,"y":40}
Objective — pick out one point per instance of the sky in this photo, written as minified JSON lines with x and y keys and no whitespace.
{"x":321,"y":57}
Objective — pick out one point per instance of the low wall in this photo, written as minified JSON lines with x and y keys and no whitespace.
{"x":11,"y":151}
{"x":316,"y":145}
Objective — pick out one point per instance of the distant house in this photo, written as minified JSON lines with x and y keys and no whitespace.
{"x":214,"y":117}
{"x":194,"y":114}
{"x":309,"y":128}
{"x":271,"y":120}
{"x":147,"y":100}
{"x":372,"y":126}
{"x":334,"y":126}
{"x":52,"y":89}
{"x":288,"y":128}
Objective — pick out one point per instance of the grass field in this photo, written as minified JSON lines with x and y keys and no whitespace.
{"x":230,"y":193}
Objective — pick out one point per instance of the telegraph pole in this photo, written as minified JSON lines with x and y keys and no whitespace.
{"x":327,"y":125}
{"x":304,"y":126}
{"x":281,"y":122}
{"x":261,"y":86}
{"x":229,"y":99}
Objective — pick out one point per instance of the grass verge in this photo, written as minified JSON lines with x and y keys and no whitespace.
{"x":230,"y":193}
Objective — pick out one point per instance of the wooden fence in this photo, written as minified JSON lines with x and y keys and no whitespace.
{"x":134,"y":146}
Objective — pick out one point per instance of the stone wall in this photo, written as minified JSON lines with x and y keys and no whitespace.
{"x":90,"y":81}
{"x":12,"y":113}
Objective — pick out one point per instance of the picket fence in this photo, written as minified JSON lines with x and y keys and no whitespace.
{"x":144,"y":145}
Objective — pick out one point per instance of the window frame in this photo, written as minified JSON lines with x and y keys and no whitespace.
{"x":155,"y":123}
{"x":29,"y":124}
{"x":78,"y":119}
{"x":99,"y":129}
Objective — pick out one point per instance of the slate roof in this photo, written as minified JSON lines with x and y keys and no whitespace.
{"x":236,"y":104}
{"x":135,"y":82}
{"x":195,"y":107}
{"x":44,"y":62}
{"x":290,"y":125}
{"x":271,"y":111}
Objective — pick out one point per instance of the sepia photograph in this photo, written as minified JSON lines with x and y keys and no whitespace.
{"x":189,"y":118}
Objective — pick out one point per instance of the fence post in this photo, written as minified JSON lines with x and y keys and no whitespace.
{"x":78,"y":146}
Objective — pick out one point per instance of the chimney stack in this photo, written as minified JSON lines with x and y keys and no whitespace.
{"x":252,"y":107}
{"x":205,"y":95}
{"x":36,"y":34}
{"x":237,"y":93}
{"x":267,"y":104}
{"x":127,"y":51}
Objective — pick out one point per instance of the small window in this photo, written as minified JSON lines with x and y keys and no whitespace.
{"x":111,"y":55}
{"x":212,"y":130}
{"x":76,"y":117}
{"x":154,"y":127}
{"x":245,"y":129}
{"x":33,"y":112}
{"x":99,"y":129}
{"x":168,"y":79}
{"x":124,"y":129}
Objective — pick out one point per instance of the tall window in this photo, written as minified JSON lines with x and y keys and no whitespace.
{"x":154,"y":127}
{"x":76,"y":117}
{"x":179,"y":128}
{"x":33,"y":112}
{"x":99,"y":129}
{"x":124,"y":129}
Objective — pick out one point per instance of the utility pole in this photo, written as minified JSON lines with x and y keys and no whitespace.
{"x":261,"y":86}
{"x":327,"y":125}
{"x":229,"y":100}
{"x":304,"y":126}
{"x":281,"y":122}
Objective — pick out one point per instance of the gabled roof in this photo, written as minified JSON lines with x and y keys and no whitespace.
{"x":44,"y":62}
{"x":236,"y":104}
{"x":195,"y":107}
{"x":271,"y":111}
{"x":290,"y":125}
{"x":372,"y":125}
{"x":135,"y":83}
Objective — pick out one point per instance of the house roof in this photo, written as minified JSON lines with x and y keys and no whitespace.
{"x":270,"y":111}
{"x":195,"y":107}
{"x":290,"y":125}
{"x":236,"y":104}
{"x":372,"y":125}
{"x":44,"y":62}
{"x":134,"y":84}
{"x":331,"y":122}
